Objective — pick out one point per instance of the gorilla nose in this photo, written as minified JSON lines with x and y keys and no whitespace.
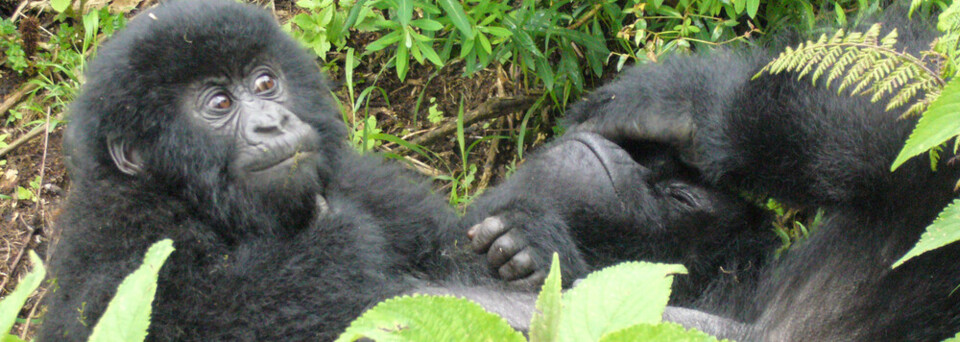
{"x":589,"y":161}
{"x":269,"y":122}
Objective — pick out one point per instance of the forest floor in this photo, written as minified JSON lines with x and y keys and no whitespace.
{"x":491,"y":97}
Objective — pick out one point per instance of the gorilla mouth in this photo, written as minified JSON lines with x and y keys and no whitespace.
{"x":286,"y":161}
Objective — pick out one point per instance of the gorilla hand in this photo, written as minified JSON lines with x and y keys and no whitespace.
{"x":509,"y":252}
{"x":520,"y":240}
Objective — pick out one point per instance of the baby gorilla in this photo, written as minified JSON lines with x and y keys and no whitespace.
{"x":204,"y":123}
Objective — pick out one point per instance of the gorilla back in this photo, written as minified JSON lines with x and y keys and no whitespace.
{"x":203,"y":122}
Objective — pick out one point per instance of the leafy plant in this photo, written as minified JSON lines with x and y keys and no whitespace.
{"x":867,"y":62}
{"x":620,"y":303}
{"x":126,"y":317}
{"x":407,"y":35}
{"x":128,"y":314}
{"x":14,"y":56}
{"x":11,"y":304}
{"x":326,"y":24}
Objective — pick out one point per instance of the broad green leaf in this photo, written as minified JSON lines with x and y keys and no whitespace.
{"x":11,"y":304}
{"x":459,"y":18}
{"x":403,"y":59}
{"x":615,"y":298}
{"x":429,"y":318}
{"x":940,"y":122}
{"x":522,"y":37}
{"x":351,"y":17}
{"x":544,"y":326}
{"x":427,"y":24}
{"x":665,"y":332}
{"x":385,"y":41}
{"x":11,"y":338}
{"x":60,"y":5}
{"x":955,"y":338}
{"x":943,"y":231}
{"x":752,"y":6}
{"x":498,"y":31}
{"x":430,"y":54}
{"x":484,"y":43}
{"x":405,"y":11}
{"x":128,"y":314}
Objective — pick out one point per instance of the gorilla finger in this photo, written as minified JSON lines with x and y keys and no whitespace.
{"x":520,"y":266}
{"x":533,"y":281}
{"x":484,"y":233}
{"x":504,"y":249}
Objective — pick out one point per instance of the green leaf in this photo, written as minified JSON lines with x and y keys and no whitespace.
{"x":385,"y":41}
{"x":752,"y":6}
{"x":11,"y":338}
{"x":498,"y":31}
{"x":666,"y":332}
{"x":484,"y":43}
{"x":430,"y":54}
{"x":544,"y":327}
{"x":940,"y":122}
{"x":403,"y":59}
{"x":405,"y":11}
{"x":427,"y":24}
{"x":615,"y":298}
{"x":60,"y":5}
{"x":128,"y":314}
{"x":955,"y":338}
{"x":429,"y":318}
{"x":943,"y":231}
{"x":91,"y":23}
{"x":459,"y":18}
{"x":11,"y":304}
{"x":522,"y":37}
{"x":351,"y":17}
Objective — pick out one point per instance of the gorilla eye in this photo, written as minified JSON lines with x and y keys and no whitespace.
{"x":264,"y":84}
{"x":219,"y":102}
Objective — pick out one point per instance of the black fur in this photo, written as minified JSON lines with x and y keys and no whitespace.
{"x":802,"y":144}
{"x":274,"y":265}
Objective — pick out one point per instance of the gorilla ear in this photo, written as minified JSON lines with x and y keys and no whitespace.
{"x":126,"y":158}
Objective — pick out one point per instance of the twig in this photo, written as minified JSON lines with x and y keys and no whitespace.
{"x":43,"y":162}
{"x":16,"y":261}
{"x":583,"y":20}
{"x":33,"y":310}
{"x":22,"y":140}
{"x":488,"y":164}
{"x":16,"y":96}
{"x":490,"y":109}
{"x":17,"y":12}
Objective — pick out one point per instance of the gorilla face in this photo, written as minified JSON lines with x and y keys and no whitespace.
{"x":273,"y":147}
{"x":231,"y":116}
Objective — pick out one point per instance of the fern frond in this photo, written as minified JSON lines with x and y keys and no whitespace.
{"x":905,"y":95}
{"x":829,"y":58}
{"x":864,"y":61}
{"x":842,"y":63}
{"x":921,"y":106}
{"x":893,"y":80}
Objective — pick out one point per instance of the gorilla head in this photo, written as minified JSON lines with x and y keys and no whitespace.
{"x":222,"y":108}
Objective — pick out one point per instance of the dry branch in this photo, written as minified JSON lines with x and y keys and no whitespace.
{"x":16,"y":96}
{"x":492,"y":108}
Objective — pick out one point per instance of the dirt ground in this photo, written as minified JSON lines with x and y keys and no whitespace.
{"x":28,"y":223}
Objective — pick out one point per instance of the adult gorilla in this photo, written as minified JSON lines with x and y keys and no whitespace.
{"x":203,"y":122}
{"x":799,"y":143}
